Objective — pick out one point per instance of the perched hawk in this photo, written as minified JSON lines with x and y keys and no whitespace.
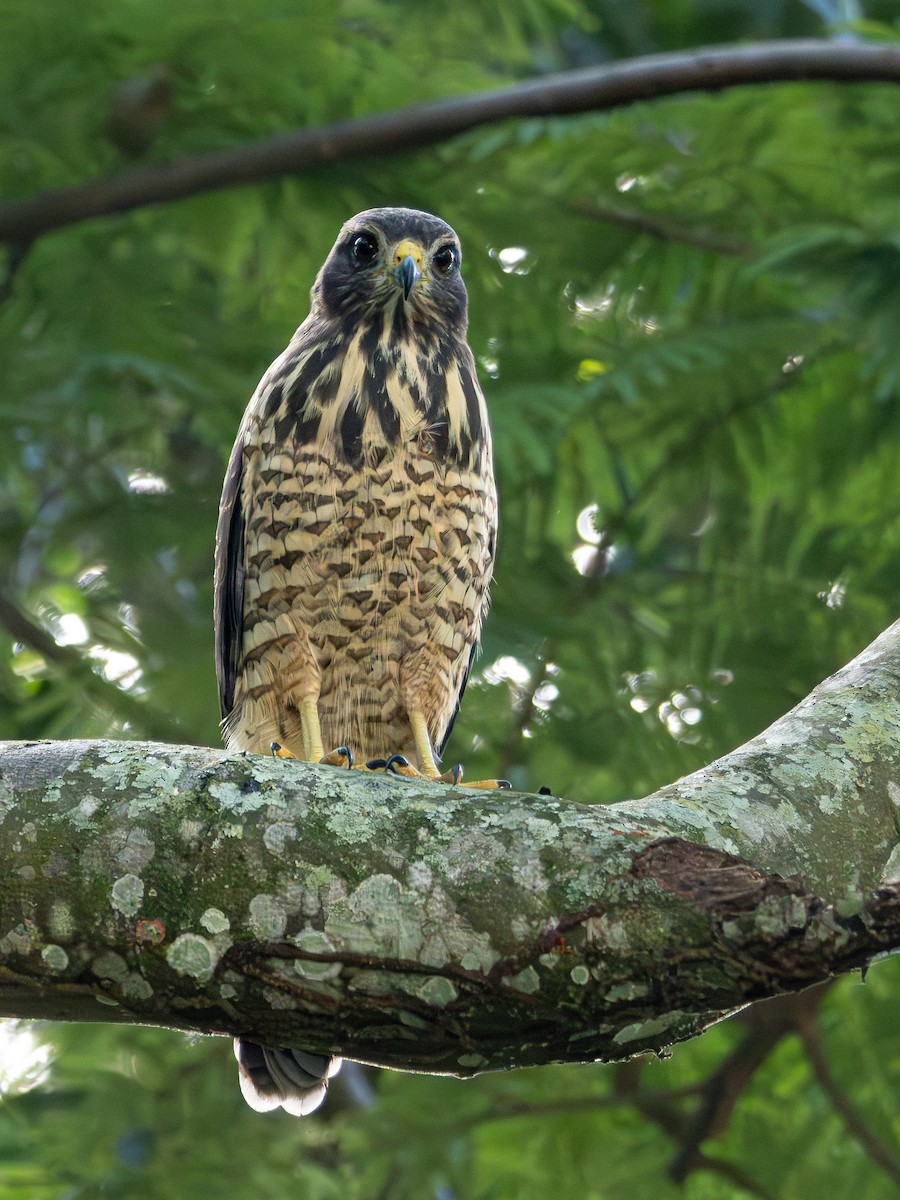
{"x":356,"y":536}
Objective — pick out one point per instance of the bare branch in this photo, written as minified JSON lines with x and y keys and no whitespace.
{"x":16,"y":254}
{"x":590,"y":90}
{"x":876,"y":1148}
{"x":72,"y":665}
{"x":664,"y":1110}
{"x":734,"y":1174}
{"x":666,"y":231}
{"x":767,"y":1024}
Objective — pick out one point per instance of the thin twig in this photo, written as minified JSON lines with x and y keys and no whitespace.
{"x":661,"y":1107}
{"x":666,"y":231}
{"x":590,"y":90}
{"x":723,"y":1089}
{"x":877,"y":1149}
{"x":767,"y":1024}
{"x":16,"y":253}
{"x":73,"y":665}
{"x":734,"y":1174}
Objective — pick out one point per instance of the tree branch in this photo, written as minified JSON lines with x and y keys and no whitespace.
{"x":421,"y":926}
{"x":590,"y":90}
{"x":734,"y":1174}
{"x":71,"y":664}
{"x":767,"y":1024}
{"x":666,"y":231}
{"x":877,"y":1149}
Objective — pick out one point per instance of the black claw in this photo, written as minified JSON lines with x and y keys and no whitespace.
{"x":505,"y":785}
{"x":347,"y":753}
{"x":275,"y":747}
{"x":397,"y":760}
{"x":544,"y":791}
{"x":376,"y":764}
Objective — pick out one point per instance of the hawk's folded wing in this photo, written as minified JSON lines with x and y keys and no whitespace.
{"x":229,"y":579}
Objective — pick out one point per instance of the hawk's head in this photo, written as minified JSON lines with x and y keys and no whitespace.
{"x":394,"y":262}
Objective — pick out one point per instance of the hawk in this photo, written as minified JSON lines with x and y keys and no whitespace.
{"x":356,"y":537}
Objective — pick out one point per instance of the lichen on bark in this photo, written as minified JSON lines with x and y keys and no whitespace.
{"x":432,"y":928}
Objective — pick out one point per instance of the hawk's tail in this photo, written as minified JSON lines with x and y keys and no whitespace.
{"x":294,"y":1079}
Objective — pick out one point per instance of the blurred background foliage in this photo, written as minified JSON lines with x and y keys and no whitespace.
{"x":685,"y":314}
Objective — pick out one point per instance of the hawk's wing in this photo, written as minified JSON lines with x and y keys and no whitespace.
{"x":445,"y":736}
{"x":473,"y":653}
{"x":229,"y":578}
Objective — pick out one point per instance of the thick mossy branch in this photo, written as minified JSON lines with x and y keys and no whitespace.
{"x":432,"y":928}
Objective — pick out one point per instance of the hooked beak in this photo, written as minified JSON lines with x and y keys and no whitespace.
{"x":407,"y":274}
{"x":408,"y":257}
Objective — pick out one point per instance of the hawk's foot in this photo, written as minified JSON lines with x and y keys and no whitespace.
{"x":341,"y":757}
{"x":398,"y":764}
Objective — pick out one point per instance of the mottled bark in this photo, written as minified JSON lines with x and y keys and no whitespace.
{"x":425,"y":927}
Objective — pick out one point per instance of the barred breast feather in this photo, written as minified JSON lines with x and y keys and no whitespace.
{"x":362,"y":486}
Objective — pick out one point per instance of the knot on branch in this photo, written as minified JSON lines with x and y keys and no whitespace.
{"x":711,"y":879}
{"x":774,"y":926}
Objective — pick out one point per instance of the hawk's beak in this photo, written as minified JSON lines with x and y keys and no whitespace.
{"x":408,"y":257}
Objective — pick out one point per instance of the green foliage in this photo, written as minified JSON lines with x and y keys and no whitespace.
{"x":685,"y":314}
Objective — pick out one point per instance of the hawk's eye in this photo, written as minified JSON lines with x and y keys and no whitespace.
{"x":364,"y":249}
{"x":445,"y":259}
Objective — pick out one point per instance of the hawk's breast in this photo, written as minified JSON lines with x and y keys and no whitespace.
{"x":368,"y":551}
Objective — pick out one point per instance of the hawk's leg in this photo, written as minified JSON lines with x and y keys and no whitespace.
{"x":401,"y":766}
{"x":424,"y":750}
{"x":313,"y":749}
